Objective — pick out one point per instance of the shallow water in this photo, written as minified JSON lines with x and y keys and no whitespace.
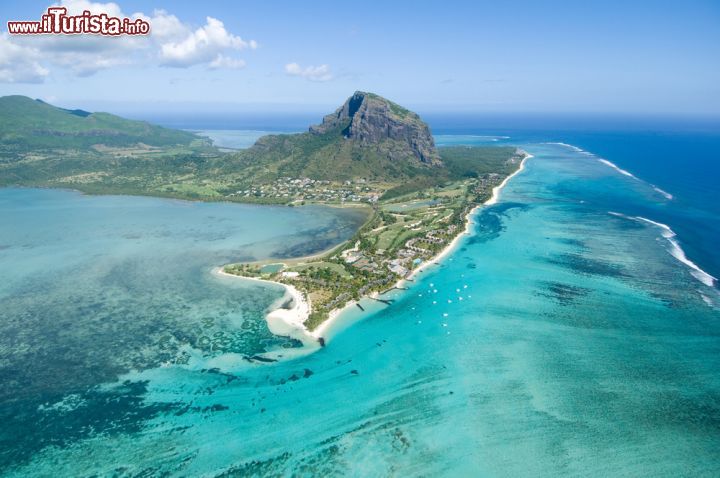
{"x":95,"y":286}
{"x":234,"y":139}
{"x":557,"y":340}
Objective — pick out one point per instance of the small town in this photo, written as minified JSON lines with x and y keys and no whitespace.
{"x":306,"y":189}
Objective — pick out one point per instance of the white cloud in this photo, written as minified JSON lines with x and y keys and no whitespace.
{"x":312,"y":73}
{"x":203,"y":45}
{"x":166,"y":27}
{"x":31,"y":58}
{"x":19,"y":64}
{"x":81,"y":55}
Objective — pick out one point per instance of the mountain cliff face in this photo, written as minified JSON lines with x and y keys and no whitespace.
{"x":368,"y":137}
{"x":370,"y":120}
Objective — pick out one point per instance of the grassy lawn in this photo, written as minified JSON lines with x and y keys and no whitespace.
{"x":193,"y":189}
{"x":388,"y":236}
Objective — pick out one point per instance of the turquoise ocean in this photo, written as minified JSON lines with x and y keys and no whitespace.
{"x":574,"y":332}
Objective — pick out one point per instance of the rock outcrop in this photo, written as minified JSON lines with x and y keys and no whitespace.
{"x":371,"y":120}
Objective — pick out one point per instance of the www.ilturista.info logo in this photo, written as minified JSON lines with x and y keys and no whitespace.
{"x":57,"y":21}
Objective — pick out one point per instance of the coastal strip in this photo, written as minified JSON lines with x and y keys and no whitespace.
{"x":291,"y":322}
{"x":468,"y":223}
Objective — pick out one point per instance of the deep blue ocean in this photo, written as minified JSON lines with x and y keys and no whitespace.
{"x":574,"y":332}
{"x":679,"y":155}
{"x":686,"y":164}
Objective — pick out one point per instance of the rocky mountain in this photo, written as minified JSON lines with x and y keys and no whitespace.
{"x":367,"y":137}
{"x":370,"y":119}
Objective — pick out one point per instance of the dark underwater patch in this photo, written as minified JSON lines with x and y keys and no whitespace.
{"x":319,"y":239}
{"x":240,"y":256}
{"x":488,"y":226}
{"x":489,"y":223}
{"x":628,"y":224}
{"x":301,"y":250}
{"x":585,"y":265}
{"x":504,"y":207}
{"x":572,"y":242}
{"x":256,"y":467}
{"x":564,"y":294}
{"x":28,"y":426}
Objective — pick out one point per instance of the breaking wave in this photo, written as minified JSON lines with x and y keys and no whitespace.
{"x":675,"y":249}
{"x":617,"y":168}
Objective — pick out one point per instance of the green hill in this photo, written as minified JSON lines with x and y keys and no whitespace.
{"x":43,"y":145}
{"x":27,"y":124}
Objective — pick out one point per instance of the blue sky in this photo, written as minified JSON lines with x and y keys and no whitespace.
{"x":620,"y":57}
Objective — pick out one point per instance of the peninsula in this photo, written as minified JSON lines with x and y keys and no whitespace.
{"x":375,"y":152}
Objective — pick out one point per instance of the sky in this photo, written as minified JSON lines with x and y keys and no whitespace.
{"x":639,"y":57}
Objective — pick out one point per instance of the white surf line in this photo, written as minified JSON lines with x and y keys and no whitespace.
{"x":617,"y":168}
{"x":666,"y":194}
{"x":574,"y":148}
{"x":707,"y":300}
{"x":675,"y":250}
{"x":625,"y":172}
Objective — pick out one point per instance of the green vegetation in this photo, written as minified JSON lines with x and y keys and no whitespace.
{"x":394,"y":107}
{"x":323,"y":157}
{"x":42,"y":145}
{"x":27,"y":124}
{"x":464,"y":162}
{"x":98,"y":153}
{"x":320,"y":265}
{"x":460,"y":162}
{"x":403,"y":232}
{"x":370,"y":151}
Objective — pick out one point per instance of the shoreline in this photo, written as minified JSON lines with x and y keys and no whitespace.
{"x":291,"y":322}
{"x":285,"y":322}
{"x":295,"y":260}
{"x":468,"y":223}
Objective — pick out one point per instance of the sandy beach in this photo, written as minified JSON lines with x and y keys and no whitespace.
{"x":291,"y":322}
{"x":286,"y":322}
{"x":468,"y":223}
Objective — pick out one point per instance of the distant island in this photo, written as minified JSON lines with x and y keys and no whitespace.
{"x":369,"y":153}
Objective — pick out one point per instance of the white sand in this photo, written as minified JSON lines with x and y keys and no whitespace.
{"x":286,"y":322}
{"x":497,"y":189}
